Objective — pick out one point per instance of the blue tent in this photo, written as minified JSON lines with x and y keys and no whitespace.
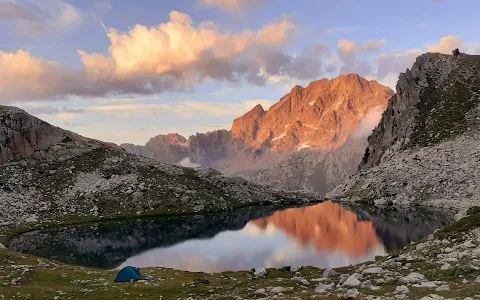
{"x":128,"y":274}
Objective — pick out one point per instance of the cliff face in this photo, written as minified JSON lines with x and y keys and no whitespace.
{"x":22,"y":136}
{"x":425,"y":149}
{"x":434,"y":102}
{"x":320,"y":116}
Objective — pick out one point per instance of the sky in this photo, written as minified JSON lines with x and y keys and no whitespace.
{"x":124,"y":71}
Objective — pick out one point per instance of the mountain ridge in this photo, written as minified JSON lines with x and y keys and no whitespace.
{"x":49,"y":174}
{"x":319,"y":117}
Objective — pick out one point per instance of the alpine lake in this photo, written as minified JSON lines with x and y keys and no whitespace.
{"x":325,"y":235}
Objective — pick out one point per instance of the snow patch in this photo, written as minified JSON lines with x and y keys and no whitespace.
{"x":303,"y":146}
{"x":186,"y":162}
{"x":279,"y":137}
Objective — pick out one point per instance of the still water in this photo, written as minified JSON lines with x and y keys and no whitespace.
{"x":323,"y":235}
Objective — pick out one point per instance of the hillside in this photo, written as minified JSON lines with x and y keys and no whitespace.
{"x":425,"y":149}
{"x":270,"y":146}
{"x":51,"y":174}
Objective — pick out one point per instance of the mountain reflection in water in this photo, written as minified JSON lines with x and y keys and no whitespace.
{"x":323,"y":235}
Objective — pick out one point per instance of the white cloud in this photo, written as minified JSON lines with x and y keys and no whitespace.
{"x":232,"y":6}
{"x":368,"y":123}
{"x":447,"y":44}
{"x":348,"y":52}
{"x":187,"y":109}
{"x":176,"y":55}
{"x":186,"y":162}
{"x":39,"y":17}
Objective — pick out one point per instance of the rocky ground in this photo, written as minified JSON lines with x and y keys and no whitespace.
{"x":444,"y":176}
{"x":446,"y":265}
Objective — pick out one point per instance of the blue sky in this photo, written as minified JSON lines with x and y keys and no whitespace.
{"x":151,"y":67}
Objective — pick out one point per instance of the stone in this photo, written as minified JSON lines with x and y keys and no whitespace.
{"x":402,"y":289}
{"x":260,"y":272}
{"x":443,"y":287}
{"x":302,"y":280}
{"x":2,"y":246}
{"x":477,"y":280}
{"x":352,"y":293}
{"x":343,"y":278}
{"x":373,"y":270}
{"x":366,"y":284}
{"x":294,"y":269}
{"x":426,"y":284}
{"x":352,"y":281}
{"x":260,"y":291}
{"x":329,"y":273}
{"x":446,"y":267}
{"x":278,"y":290}
{"x":322,"y":288}
{"x":468,"y":244}
{"x":412,"y":278}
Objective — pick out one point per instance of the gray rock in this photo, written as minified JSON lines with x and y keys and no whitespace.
{"x":426,"y":284}
{"x":443,"y":287}
{"x":352,"y":281}
{"x":373,"y":270}
{"x":278,"y":289}
{"x":446,"y":267}
{"x":295,"y":268}
{"x":402,"y":289}
{"x":353,"y":293}
{"x":322,"y":288}
{"x":260,"y":272}
{"x":412,"y":278}
{"x":302,"y":280}
{"x":329,"y":273}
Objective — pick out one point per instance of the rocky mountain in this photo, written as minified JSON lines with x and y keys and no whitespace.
{"x":269,"y":146}
{"x":50,"y":174}
{"x":425,"y":149}
{"x":320,"y":116}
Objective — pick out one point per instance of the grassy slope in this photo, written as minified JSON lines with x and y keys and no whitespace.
{"x":446,"y":103}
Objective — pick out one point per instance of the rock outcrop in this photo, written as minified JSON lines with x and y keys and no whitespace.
{"x":425,"y":149}
{"x":78,"y":177}
{"x":264,"y":145}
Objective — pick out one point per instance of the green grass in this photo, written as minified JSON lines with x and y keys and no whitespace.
{"x":444,"y":104}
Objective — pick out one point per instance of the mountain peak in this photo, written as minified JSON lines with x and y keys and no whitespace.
{"x":319,"y":116}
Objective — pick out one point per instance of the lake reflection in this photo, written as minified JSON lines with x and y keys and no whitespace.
{"x":323,"y":235}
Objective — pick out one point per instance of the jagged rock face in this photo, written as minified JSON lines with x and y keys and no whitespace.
{"x":425,"y":149}
{"x":434,"y":101}
{"x":320,"y":116}
{"x":23,"y":136}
